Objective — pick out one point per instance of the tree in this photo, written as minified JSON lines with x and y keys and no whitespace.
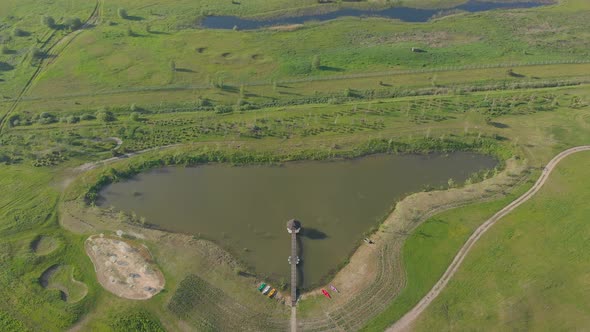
{"x":105,"y":116}
{"x":134,"y":116}
{"x":4,"y":49}
{"x":316,"y":62}
{"x":48,"y":21}
{"x":122,"y":13}
{"x":172,"y":65}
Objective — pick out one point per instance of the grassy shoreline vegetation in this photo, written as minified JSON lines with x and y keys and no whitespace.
{"x":516,"y":289}
{"x":506,"y":83}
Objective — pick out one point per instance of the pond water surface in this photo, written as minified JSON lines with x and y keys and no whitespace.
{"x":405,"y":14}
{"x":245,"y":209}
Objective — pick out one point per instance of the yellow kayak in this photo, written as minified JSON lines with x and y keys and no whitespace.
{"x":272,"y":292}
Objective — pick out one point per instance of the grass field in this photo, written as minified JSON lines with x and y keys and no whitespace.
{"x":508,"y":83}
{"x":527,"y":273}
{"x":553,"y":120}
{"x":106,"y":58}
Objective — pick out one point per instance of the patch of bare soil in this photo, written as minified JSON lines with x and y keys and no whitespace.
{"x":290,"y":27}
{"x":124,"y":269}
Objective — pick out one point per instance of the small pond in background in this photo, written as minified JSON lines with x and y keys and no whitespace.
{"x":405,"y":14}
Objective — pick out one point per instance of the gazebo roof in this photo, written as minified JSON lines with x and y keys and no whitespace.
{"x":293,"y":224}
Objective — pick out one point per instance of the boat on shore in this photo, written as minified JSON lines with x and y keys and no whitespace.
{"x":266,"y":290}
{"x":326,"y":294}
{"x":272,"y":292}
{"x":262,"y":286}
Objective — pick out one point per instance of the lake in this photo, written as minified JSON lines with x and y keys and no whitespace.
{"x":245,"y":209}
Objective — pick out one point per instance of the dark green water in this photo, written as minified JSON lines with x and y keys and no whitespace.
{"x":245,"y":209}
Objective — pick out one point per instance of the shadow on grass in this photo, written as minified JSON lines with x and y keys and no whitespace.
{"x":499,"y":125}
{"x":4,"y":66}
{"x":134,"y":18}
{"x":328,"y":68}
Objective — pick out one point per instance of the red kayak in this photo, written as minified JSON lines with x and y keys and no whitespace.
{"x":326,"y":294}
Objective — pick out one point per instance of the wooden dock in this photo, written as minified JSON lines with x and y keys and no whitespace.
{"x":293,"y":268}
{"x":293,"y":227}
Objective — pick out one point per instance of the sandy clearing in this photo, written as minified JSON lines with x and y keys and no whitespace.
{"x":124,"y":269}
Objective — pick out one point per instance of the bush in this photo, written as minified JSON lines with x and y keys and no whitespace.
{"x":203,"y":102}
{"x":14,"y":120}
{"x":221,"y":109}
{"x":73,"y":23}
{"x":105,"y":116}
{"x":134,"y":116}
{"x":73,"y":119}
{"x":19,"y":32}
{"x":46,"y":118}
{"x":316,"y":62}
{"x":4,"y":49}
{"x":87,"y":117}
{"x":37,"y":54}
{"x":48,"y":21}
{"x":122,"y":13}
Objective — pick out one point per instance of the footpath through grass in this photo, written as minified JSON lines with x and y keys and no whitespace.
{"x":436,"y":242}
{"x":529,"y":272}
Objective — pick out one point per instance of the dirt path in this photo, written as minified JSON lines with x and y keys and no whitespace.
{"x":405,"y":322}
{"x":95,"y":164}
{"x":118,"y":141}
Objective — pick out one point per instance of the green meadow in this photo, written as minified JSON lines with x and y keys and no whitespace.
{"x":527,"y":273}
{"x":509,"y":83}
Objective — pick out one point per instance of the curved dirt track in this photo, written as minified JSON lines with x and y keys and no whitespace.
{"x":405,"y":322}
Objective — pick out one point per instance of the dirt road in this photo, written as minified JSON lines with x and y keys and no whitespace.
{"x":405,"y":322}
